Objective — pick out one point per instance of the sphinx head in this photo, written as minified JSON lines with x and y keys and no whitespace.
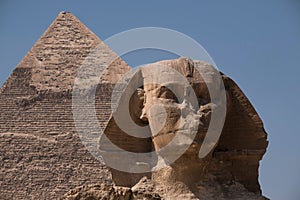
{"x":175,"y":101}
{"x":170,"y":112}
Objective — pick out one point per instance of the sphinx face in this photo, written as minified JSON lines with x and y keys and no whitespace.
{"x":176,"y":108}
{"x":162,"y":111}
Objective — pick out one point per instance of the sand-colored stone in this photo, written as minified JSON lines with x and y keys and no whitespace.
{"x":229,"y":171}
{"x":42,"y":157}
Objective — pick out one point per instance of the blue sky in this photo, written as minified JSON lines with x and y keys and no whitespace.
{"x":257,"y":43}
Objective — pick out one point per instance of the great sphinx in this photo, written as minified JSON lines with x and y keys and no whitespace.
{"x":162,"y":101}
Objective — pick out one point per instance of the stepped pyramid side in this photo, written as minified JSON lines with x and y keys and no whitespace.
{"x":41,"y":154}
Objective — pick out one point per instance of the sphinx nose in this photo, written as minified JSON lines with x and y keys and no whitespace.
{"x":143,"y":115}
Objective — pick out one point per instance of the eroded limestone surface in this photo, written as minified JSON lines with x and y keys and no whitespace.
{"x":229,"y":171}
{"x":42,"y":156}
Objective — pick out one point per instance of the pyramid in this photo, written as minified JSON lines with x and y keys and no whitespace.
{"x":41,"y":153}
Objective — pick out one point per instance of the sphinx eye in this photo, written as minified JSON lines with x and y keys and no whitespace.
{"x":166,"y":93}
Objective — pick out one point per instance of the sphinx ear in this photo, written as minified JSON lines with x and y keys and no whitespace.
{"x":136,"y":107}
{"x":128,"y":99}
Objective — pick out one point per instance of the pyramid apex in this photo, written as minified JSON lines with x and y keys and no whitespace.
{"x":64,"y":12}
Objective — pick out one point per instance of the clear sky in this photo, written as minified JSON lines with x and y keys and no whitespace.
{"x":257,"y":43}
